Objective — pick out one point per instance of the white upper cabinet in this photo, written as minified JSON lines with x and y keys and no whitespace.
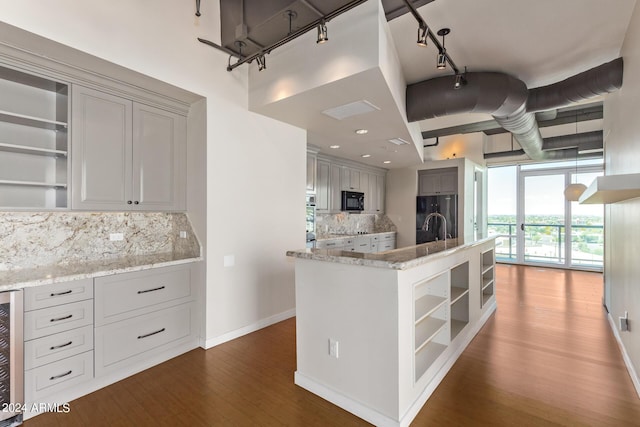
{"x":126,"y":155}
{"x":311,"y":172}
{"x":438,"y":181}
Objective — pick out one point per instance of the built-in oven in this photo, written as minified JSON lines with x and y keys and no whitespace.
{"x":352,"y":201}
{"x":11,"y":358}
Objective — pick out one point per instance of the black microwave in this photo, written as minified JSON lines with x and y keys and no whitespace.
{"x":352,"y":201}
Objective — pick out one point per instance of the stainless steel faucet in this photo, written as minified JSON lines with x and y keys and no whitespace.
{"x":425,"y":225}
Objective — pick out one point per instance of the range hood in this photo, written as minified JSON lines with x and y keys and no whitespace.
{"x":612,"y":189}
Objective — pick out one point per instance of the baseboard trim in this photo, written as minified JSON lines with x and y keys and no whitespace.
{"x":381,"y":420}
{"x":263,"y":323}
{"x":625,"y":356}
{"x":344,"y":402}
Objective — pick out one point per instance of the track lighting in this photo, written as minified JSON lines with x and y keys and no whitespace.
{"x":262,"y":63}
{"x":322,"y":33}
{"x":461,"y":79}
{"x":442,"y":53}
{"x":423,"y":31}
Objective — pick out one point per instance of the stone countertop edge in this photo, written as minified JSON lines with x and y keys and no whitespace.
{"x":395,"y":259}
{"x":19,"y":279}
{"x":347,"y":236}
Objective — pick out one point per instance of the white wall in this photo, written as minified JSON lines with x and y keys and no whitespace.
{"x":255,"y":168}
{"x":622,"y":231}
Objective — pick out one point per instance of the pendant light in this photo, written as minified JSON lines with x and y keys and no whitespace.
{"x":573,"y":191}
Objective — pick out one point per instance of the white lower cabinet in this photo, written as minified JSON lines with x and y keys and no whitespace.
{"x":120,"y":343}
{"x":80,"y":332}
{"x":139,"y":315}
{"x":58,"y":333}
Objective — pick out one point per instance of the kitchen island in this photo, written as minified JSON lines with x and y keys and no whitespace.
{"x":377,"y":332}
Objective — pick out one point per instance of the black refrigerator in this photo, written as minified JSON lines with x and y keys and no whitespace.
{"x":445,"y":204}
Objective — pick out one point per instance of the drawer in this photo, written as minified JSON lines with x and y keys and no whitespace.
{"x":388,"y":236}
{"x":57,"y":293}
{"x":117,"y":344}
{"x":48,"y":321}
{"x":123,"y":296}
{"x":56,"y":347}
{"x":50,"y":379}
{"x":330,"y":244}
{"x":387,"y":246}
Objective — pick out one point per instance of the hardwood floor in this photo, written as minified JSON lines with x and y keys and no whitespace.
{"x":547,"y":357}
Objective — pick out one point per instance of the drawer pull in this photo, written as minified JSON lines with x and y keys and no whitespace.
{"x":152,"y":333}
{"x":61,"y":293}
{"x":151,"y":290}
{"x":55,"y":377}
{"x":55,"y":347}
{"x":62,"y":318}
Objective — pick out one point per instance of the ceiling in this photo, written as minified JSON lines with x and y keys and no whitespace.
{"x":540,"y":42}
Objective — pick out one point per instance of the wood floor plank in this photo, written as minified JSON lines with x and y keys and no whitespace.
{"x":546,"y":358}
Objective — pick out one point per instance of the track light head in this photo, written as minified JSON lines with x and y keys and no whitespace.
{"x":442,"y":60}
{"x":262,"y":63}
{"x":423,"y":32}
{"x":322,"y":33}
{"x":461,"y":80}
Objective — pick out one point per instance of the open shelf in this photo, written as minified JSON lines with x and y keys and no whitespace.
{"x":426,"y":305}
{"x":457,"y":293}
{"x":426,"y":330}
{"x":33,"y":184}
{"x":22,"y":119}
{"x":24,"y":149}
{"x":456,"y":327}
{"x":487,"y":259}
{"x":425,"y":357}
{"x":34,"y":145}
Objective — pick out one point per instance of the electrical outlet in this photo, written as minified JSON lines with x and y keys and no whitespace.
{"x":333,"y":348}
{"x":624,"y":322}
{"x":183,"y":234}
{"x":116,"y":237}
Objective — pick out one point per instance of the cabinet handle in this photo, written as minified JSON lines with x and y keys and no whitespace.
{"x":151,"y":333}
{"x":61,"y":318}
{"x":61,"y":293}
{"x":55,"y":347}
{"x":136,"y":202}
{"x":151,"y":290}
{"x":129,"y":202}
{"x":55,"y":377}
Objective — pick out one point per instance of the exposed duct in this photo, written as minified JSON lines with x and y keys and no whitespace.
{"x":506,"y":99}
{"x":605,"y":78}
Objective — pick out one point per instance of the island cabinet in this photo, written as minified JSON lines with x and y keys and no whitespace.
{"x":126,"y":155}
{"x":376,"y":333}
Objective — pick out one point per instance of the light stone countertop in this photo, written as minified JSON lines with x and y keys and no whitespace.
{"x":348,"y":235}
{"x":396,"y":259}
{"x":28,"y":277}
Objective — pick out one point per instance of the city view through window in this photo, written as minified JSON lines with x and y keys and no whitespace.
{"x":534,"y":223}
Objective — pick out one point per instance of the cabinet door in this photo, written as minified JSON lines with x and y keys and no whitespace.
{"x":322,"y":187}
{"x":159,"y":159}
{"x":101,"y":149}
{"x":380,"y":190}
{"x":335,"y":201}
{"x":449,"y":183}
{"x":351,"y":179}
{"x":311,"y":173}
{"x":429,"y":184}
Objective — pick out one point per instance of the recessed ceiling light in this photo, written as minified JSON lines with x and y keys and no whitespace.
{"x":386,"y":162}
{"x":334,"y":146}
{"x":366,"y":155}
{"x":361,"y":131}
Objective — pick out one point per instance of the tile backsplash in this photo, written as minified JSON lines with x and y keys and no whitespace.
{"x":35,"y":239}
{"x":346,"y":223}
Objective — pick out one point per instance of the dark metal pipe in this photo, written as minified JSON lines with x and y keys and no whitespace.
{"x":296,"y":33}
{"x":220,"y":48}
